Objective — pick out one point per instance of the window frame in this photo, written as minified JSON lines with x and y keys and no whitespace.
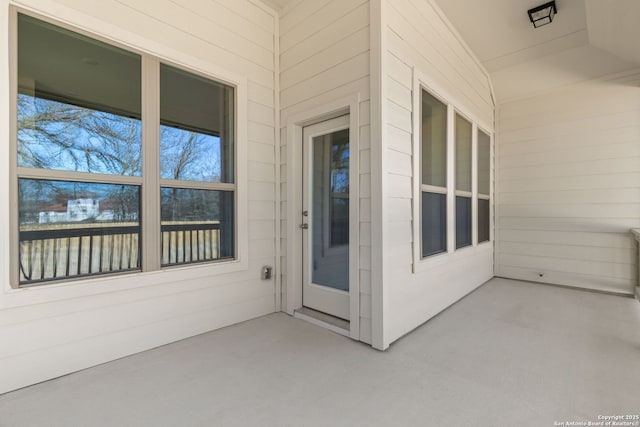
{"x":434,"y":189}
{"x":72,"y":287}
{"x":454,"y":106}
{"x":478,"y":194}
{"x":462,"y":193}
{"x":197,"y":185}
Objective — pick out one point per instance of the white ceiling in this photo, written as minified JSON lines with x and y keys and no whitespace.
{"x":614,"y":27}
{"x":587,"y":39}
{"x":277,"y":4}
{"x":501,"y":35}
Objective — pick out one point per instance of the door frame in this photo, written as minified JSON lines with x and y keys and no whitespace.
{"x":321,"y":297}
{"x":292,"y":234}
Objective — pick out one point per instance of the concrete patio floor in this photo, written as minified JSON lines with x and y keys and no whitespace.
{"x":509,"y":354}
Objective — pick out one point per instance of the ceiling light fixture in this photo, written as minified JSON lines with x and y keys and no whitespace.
{"x":543,"y":14}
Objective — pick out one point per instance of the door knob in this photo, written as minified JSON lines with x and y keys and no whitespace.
{"x":304,"y":226}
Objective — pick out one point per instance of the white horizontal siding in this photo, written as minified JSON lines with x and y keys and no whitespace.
{"x":416,"y":30}
{"x":45,"y":331}
{"x":416,"y":299}
{"x":568,"y":185}
{"x":324,"y":56}
{"x":418,"y":40}
{"x":35,"y":366}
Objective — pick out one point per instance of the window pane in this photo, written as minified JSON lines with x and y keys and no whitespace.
{"x":483,"y":220}
{"x":197,"y":127}
{"x":339,"y":175}
{"x":463,"y":154}
{"x":197,"y":225}
{"x":339,"y":221}
{"x":72,"y":229}
{"x":434,"y":141}
{"x":340,"y":161}
{"x":463,"y":222}
{"x":434,"y":223}
{"x":78,"y":102}
{"x":484,"y":163}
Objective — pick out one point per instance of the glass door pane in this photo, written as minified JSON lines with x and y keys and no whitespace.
{"x":330,"y":210}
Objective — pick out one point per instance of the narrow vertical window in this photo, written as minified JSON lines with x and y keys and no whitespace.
{"x":463,"y":134}
{"x":79,"y":154}
{"x":484,"y":191}
{"x":434,"y":175}
{"x":196,"y":168}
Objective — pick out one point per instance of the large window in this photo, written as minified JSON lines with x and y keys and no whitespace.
{"x":84,"y":163}
{"x":434,"y":175}
{"x":453,"y":192}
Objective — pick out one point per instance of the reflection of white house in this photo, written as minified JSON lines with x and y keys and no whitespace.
{"x":77,"y":210}
{"x":48,"y":217}
{"x":82,"y":209}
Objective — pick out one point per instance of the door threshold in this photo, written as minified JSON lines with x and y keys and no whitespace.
{"x":334,"y":324}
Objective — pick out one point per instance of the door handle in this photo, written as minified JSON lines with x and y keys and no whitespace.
{"x":304,"y":226}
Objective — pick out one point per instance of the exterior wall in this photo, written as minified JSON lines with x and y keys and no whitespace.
{"x":324,"y":57}
{"x":418,"y":40}
{"x":568,"y":185}
{"x":52,"y":330}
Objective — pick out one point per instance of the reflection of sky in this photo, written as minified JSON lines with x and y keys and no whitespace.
{"x":200,"y":153}
{"x":340,"y":168}
{"x":60,"y":136}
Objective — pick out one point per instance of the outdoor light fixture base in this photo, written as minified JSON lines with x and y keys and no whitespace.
{"x":543,"y":14}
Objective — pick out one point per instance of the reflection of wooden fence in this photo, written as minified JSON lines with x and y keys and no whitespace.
{"x":188,"y":242}
{"x":57,"y":252}
{"x":51,"y":253}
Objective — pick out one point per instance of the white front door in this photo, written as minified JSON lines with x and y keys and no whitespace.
{"x":325,"y":217}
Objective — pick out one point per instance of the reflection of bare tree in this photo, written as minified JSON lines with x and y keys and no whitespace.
{"x":185,"y":145}
{"x":126,"y":199}
{"x":189,"y":155}
{"x":56,"y":135}
{"x":340,"y":163}
{"x":186,"y":155}
{"x":53,"y":135}
{"x":115,"y":143}
{"x":45,"y":125}
{"x":181,"y":204}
